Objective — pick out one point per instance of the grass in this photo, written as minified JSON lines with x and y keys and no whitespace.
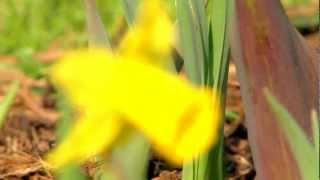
{"x":8,"y":100}
{"x":35,"y":24}
{"x":205,"y":49}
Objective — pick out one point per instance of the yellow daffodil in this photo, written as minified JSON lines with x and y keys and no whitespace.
{"x":151,"y":37}
{"x":111,"y":92}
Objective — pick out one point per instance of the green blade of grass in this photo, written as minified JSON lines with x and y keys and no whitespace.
{"x":71,"y":172}
{"x":193,"y":37}
{"x":132,"y":157}
{"x":295,"y":2}
{"x":316,"y":138}
{"x":194,"y":46}
{"x":218,"y":66}
{"x":8,"y":100}
{"x":214,"y":51}
{"x":303,"y":150}
{"x":130,"y":7}
{"x":306,"y":21}
{"x":231,"y":115}
{"x":302,"y":13}
{"x":97,"y":35}
{"x":65,"y":123}
{"x":128,"y":160}
{"x":220,"y":59}
{"x":28,"y":65}
{"x":200,"y":18}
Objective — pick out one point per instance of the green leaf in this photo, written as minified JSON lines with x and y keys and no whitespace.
{"x":218,"y":67}
{"x":294,"y":2}
{"x":130,"y":7}
{"x":27,"y":64}
{"x":8,"y":100}
{"x":129,"y":160}
{"x":97,"y":35}
{"x":71,"y":172}
{"x":193,"y":33}
{"x":316,"y":138}
{"x":65,"y":123}
{"x":305,"y":21}
{"x":135,"y":157}
{"x":231,"y":115}
{"x":220,"y":59}
{"x":303,"y":150}
{"x":208,"y":50}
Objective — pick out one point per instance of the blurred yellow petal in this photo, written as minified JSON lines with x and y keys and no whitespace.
{"x":152,"y":35}
{"x":179,"y":119}
{"x":111,"y":92}
{"x":92,"y":135}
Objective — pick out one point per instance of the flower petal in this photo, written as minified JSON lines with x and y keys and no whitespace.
{"x":152,"y":35}
{"x":179,"y":119}
{"x":92,"y":135}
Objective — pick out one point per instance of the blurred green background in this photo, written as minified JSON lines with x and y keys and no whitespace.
{"x":28,"y":26}
{"x":35,"y":24}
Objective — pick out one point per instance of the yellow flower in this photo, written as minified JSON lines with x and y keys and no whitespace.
{"x":151,"y":37}
{"x":111,"y":92}
{"x":179,"y":119}
{"x":90,"y":136}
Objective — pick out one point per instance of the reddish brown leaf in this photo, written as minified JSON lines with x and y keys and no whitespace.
{"x":270,"y":53}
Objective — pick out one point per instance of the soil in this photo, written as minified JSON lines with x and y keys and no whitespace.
{"x":29,"y":130}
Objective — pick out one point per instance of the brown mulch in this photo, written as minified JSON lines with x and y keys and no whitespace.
{"x":28,"y":132}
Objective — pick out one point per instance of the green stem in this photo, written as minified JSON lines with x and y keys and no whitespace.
{"x":8,"y":101}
